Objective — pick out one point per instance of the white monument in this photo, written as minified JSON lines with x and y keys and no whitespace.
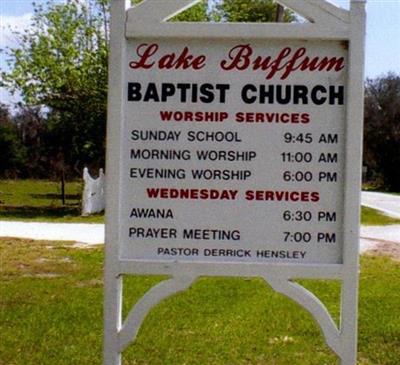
{"x":93,"y":198}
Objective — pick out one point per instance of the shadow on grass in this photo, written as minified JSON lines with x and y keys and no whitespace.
{"x":55,"y":196}
{"x":34,"y":212}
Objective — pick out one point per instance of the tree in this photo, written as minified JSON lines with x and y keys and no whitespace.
{"x":61,"y":63}
{"x":32,"y":129}
{"x":13,"y":153}
{"x":197,"y":13}
{"x":382,"y":129}
{"x":250,"y":11}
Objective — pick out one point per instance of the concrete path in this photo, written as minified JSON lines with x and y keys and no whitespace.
{"x":77,"y":232}
{"x":386,"y":203}
{"x":370,"y":236}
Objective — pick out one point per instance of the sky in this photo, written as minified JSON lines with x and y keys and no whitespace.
{"x":382,"y":42}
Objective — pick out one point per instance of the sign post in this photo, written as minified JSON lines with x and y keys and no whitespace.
{"x":234,"y":150}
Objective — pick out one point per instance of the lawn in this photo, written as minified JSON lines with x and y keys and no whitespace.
{"x":51,"y":313}
{"x":372,"y":217}
{"x":40,"y":200}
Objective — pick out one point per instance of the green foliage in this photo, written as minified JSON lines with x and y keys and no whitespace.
{"x":61,"y":57}
{"x":61,"y":63}
{"x":197,"y":13}
{"x":13,"y":153}
{"x":249,"y":11}
{"x":32,"y":130}
{"x":382,"y":129}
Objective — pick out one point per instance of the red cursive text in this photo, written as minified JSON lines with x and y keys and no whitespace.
{"x":287,"y":61}
{"x":148,"y":58}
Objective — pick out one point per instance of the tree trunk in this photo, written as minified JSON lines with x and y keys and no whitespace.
{"x":279,"y":13}
{"x":63,"y":187}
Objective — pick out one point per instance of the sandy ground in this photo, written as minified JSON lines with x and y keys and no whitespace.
{"x":381,"y":239}
{"x":385,"y":239}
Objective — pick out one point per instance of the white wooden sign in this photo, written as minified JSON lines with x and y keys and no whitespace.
{"x":235,"y":155}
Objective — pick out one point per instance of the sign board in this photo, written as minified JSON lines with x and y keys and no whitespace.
{"x":233,"y":151}
{"x":237,"y":155}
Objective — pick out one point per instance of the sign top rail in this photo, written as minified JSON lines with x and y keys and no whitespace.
{"x":150,"y":19}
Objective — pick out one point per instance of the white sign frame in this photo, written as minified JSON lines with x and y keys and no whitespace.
{"x":327,"y":22}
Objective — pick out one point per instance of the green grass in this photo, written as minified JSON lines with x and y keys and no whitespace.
{"x":372,"y":217}
{"x":40,"y":200}
{"x":51,"y":313}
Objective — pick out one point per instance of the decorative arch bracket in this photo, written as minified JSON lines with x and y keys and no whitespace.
{"x":283,"y":285}
{"x":161,"y":291}
{"x":314,"y":306}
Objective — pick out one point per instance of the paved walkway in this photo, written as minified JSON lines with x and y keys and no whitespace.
{"x":387,"y":203}
{"x":77,"y":232}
